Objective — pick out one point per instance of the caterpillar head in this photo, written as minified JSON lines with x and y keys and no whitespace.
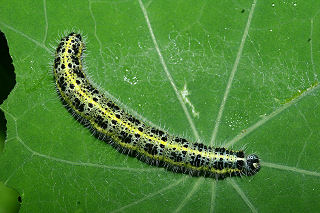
{"x":76,"y":35}
{"x":252,"y":164}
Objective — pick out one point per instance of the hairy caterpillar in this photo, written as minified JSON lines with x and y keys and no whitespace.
{"x":132,"y":136}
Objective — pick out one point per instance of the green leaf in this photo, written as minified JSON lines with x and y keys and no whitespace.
{"x":247,"y":69}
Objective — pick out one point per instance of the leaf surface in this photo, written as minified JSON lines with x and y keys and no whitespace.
{"x":241,"y":74}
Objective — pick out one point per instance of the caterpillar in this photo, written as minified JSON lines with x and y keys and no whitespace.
{"x":132,"y":136}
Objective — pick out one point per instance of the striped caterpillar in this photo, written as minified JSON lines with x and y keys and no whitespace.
{"x":132,"y":136}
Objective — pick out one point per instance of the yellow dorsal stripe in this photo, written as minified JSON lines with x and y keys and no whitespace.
{"x":84,"y":96}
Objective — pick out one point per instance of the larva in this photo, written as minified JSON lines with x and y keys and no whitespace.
{"x":132,"y":136}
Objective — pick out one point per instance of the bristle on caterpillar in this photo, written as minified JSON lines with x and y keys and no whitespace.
{"x":131,"y":135}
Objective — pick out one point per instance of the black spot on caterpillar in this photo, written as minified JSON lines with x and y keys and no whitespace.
{"x":132,"y":136}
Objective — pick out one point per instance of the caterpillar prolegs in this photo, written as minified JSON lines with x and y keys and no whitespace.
{"x":131,"y":135}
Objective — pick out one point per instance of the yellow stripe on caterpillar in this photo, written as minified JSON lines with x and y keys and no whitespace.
{"x":132,"y":136}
